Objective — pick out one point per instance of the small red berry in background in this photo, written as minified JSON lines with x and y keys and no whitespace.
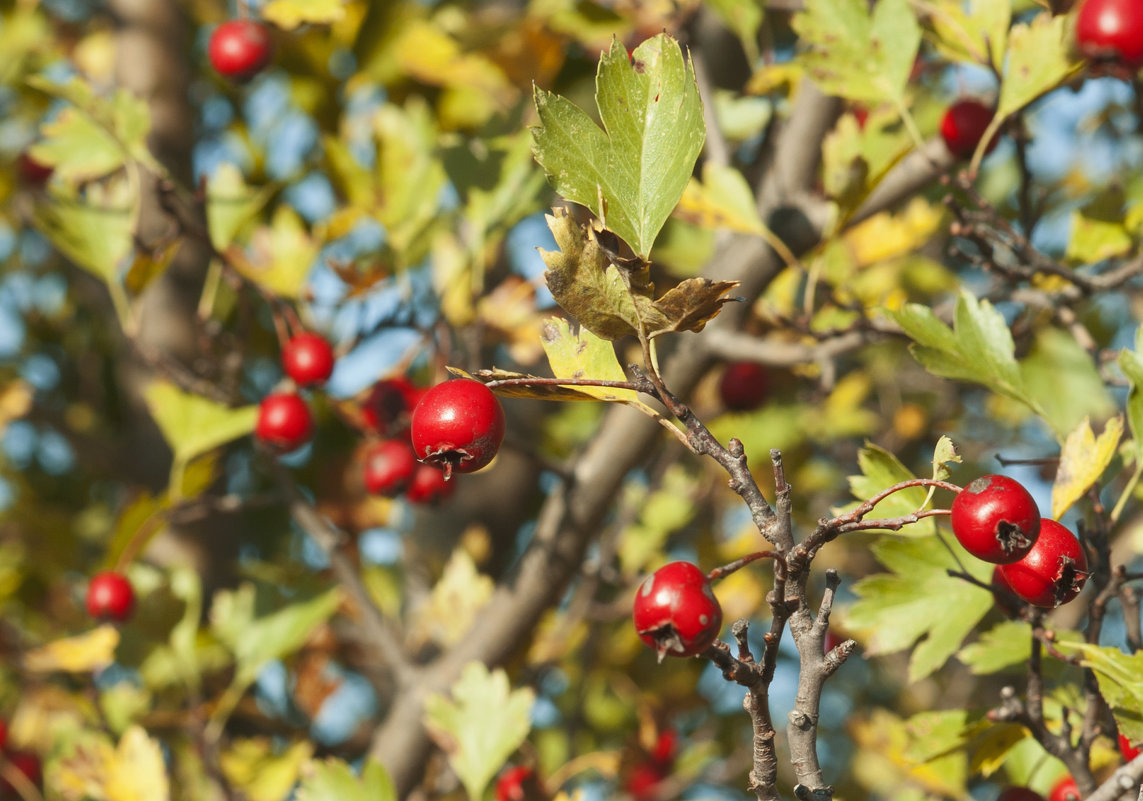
{"x":1065,"y":790}
{"x":389,"y":403}
{"x":3,"y":734}
{"x":1053,"y":572}
{"x":1129,"y":751}
{"x":743,"y":386}
{"x":675,"y":611}
{"x":1111,"y":30}
{"x":32,"y":172}
{"x":240,"y":48}
{"x":964,"y":125}
{"x":995,"y":519}
{"x":284,"y":421}
{"x":1019,"y":794}
{"x":110,"y":597}
{"x":644,"y":779}
{"x":307,"y":359}
{"x":457,"y":426}
{"x":389,"y":467}
{"x":28,"y":764}
{"x":428,"y":486}
{"x":513,"y":783}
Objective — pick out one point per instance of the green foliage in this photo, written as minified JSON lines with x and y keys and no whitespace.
{"x":1005,"y":646}
{"x":333,"y":780}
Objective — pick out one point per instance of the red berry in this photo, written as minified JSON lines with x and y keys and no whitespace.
{"x":389,"y":403}
{"x":1019,"y":794}
{"x":457,"y":426}
{"x":1111,"y":30}
{"x":676,"y":612}
{"x":510,"y":785}
{"x":389,"y":467}
{"x":307,"y":359}
{"x":1053,"y":572}
{"x":32,"y":172}
{"x":110,"y":597}
{"x":743,"y":386}
{"x":1065,"y":790}
{"x":284,"y":421}
{"x":1129,"y":751}
{"x":963,"y":125}
{"x":3,"y":734}
{"x":665,"y":743}
{"x":428,"y":485}
{"x":644,"y":779}
{"x":995,"y":519}
{"x":27,"y":763}
{"x":240,"y":48}
{"x":1003,"y":595}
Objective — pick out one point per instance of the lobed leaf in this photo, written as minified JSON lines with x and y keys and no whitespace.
{"x":1082,"y":461}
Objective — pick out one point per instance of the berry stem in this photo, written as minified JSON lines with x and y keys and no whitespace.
{"x":725,"y":570}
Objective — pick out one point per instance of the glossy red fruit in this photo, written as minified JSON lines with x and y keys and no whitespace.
{"x":284,"y":421}
{"x":1053,"y":572}
{"x":428,"y":486}
{"x":510,"y":785}
{"x":387,"y":407}
{"x":457,"y":426}
{"x":1111,"y":30}
{"x":1065,"y":790}
{"x":964,"y":125}
{"x":1019,"y":794}
{"x":676,"y":612}
{"x":240,"y":48}
{"x":307,"y":359}
{"x":389,"y":467}
{"x":995,"y":519}
{"x":1129,"y":751}
{"x":27,"y":763}
{"x":743,"y":386}
{"x":110,"y":597}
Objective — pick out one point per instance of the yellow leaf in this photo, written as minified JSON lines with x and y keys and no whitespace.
{"x":92,"y":651}
{"x":885,"y":236}
{"x":1082,"y":461}
{"x":722,"y":199}
{"x":284,"y":254}
{"x":455,"y":601}
{"x":289,"y":14}
{"x":254,"y":766}
{"x":137,"y":772}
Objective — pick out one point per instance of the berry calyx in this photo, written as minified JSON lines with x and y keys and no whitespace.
{"x":1065,"y":790}
{"x":963,"y":126}
{"x":307,"y":359}
{"x":284,"y":421}
{"x":240,"y":48}
{"x":110,"y":597}
{"x":676,"y":612}
{"x":457,"y":426}
{"x":743,"y":386}
{"x":1019,"y":794}
{"x":995,"y":519}
{"x":1127,"y":749}
{"x":1053,"y":572}
{"x":1112,"y":31}
{"x":389,"y":467}
{"x":428,"y":486}
{"x":513,"y":783}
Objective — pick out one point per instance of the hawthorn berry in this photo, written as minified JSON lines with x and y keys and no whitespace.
{"x":1019,"y":794}
{"x":963,"y":126}
{"x":743,"y":386}
{"x":386,"y":409}
{"x":28,"y":764}
{"x":31,"y":171}
{"x":428,"y":486}
{"x":389,"y":467}
{"x":995,"y":519}
{"x":1111,"y":30}
{"x":644,"y":779}
{"x":1065,"y":790}
{"x":307,"y":359}
{"x":1129,"y":751}
{"x":1002,"y":593}
{"x":511,"y":784}
{"x":110,"y":597}
{"x":3,"y":734}
{"x":240,"y":48}
{"x":676,"y":612}
{"x":284,"y":421}
{"x":1053,"y":572}
{"x":457,"y":426}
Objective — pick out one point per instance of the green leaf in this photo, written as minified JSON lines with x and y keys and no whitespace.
{"x":744,"y":18}
{"x":977,"y":32}
{"x":632,"y":172}
{"x":1040,"y":58}
{"x":880,"y":469}
{"x":945,"y":453}
{"x":230,"y":204}
{"x":480,"y":726}
{"x":582,"y":354}
{"x":333,"y":780}
{"x":410,"y":176}
{"x":93,"y":231}
{"x":284,"y":254}
{"x":1064,"y":404}
{"x":1005,"y":645}
{"x":983,"y":339}
{"x":917,"y":602}
{"x":857,"y":53}
{"x":1120,"y":678}
{"x":1131,"y":363}
{"x":194,"y":425}
{"x":261,"y":770}
{"x":1099,"y":229}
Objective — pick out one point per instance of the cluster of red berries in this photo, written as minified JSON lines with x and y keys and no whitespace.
{"x":455,"y":427}
{"x":25,"y":762}
{"x":675,"y":611}
{"x":651,"y":768}
{"x":284,"y":419}
{"x":995,"y":519}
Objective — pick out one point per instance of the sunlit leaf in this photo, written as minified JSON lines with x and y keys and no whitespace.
{"x":1120,"y":678}
{"x":333,"y":780}
{"x":138,"y":771}
{"x":231,"y":203}
{"x":194,"y":425}
{"x":93,"y":230}
{"x":289,"y":14}
{"x":82,"y":653}
{"x":456,"y":600}
{"x":1005,"y":645}
{"x":1082,"y":461}
{"x":262,"y":771}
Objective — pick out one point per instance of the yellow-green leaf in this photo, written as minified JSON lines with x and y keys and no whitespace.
{"x":137,"y":772}
{"x":192,"y":424}
{"x":83,"y":653}
{"x":263,"y":772}
{"x":456,"y":600}
{"x":230,"y":204}
{"x":584,"y":355}
{"x":1082,"y":461}
{"x":289,"y":14}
